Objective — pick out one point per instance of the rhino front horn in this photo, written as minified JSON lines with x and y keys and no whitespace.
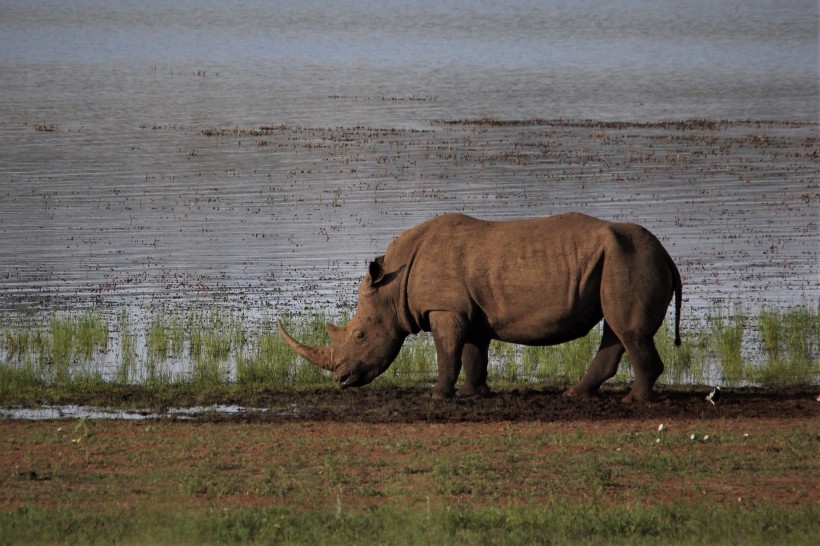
{"x":320,"y":357}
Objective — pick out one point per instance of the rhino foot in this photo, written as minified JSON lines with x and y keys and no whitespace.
{"x":468,"y":390}
{"x":576,"y":392}
{"x":632,"y":397}
{"x":442,"y":394}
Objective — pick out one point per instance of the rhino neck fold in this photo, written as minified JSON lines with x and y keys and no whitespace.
{"x":403,"y":312}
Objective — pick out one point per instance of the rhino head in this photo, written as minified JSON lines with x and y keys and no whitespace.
{"x":364,"y":348}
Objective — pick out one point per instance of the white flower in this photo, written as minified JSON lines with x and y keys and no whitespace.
{"x":692,"y":437}
{"x":660,"y":427}
{"x":705,"y":437}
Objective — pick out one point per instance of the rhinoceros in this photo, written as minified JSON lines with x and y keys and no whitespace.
{"x":540,"y":281}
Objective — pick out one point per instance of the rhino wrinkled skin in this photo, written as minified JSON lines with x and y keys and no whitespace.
{"x":534,"y":282}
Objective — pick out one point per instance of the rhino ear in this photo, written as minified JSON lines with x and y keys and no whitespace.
{"x":376,"y":271}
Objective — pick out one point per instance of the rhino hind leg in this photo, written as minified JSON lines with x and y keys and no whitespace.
{"x":603,"y":366}
{"x":474,"y":360}
{"x":647,"y":366}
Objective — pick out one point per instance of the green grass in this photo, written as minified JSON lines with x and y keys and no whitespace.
{"x":127,"y":368}
{"x":557,"y":365}
{"x":348,"y":483}
{"x":211,"y":350}
{"x":557,"y":523}
{"x":790,"y":345}
{"x":416,"y":361}
{"x":61,"y":351}
{"x":684,"y":364}
{"x":726,"y":336}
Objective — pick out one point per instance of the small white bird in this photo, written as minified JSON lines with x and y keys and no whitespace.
{"x":713,"y":396}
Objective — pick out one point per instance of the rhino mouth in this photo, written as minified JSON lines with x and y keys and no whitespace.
{"x":352,"y":379}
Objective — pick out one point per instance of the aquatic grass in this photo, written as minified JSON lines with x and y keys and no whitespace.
{"x":27,"y":353}
{"x":20,"y":382}
{"x":504,"y":365}
{"x":777,"y":347}
{"x":208,"y":374}
{"x":90,"y":335}
{"x":304,"y":374}
{"x":17,"y":343}
{"x":559,"y":365}
{"x":269,"y":365}
{"x":157,"y":340}
{"x":28,"y":350}
{"x":126,"y":370}
{"x":210,"y":342}
{"x":726,"y":335}
{"x":213,"y":340}
{"x":63,"y":348}
{"x":415,"y":363}
{"x":176,"y":334}
{"x":790,"y":345}
{"x":684,"y":363}
{"x":311,"y":329}
{"x":62,"y":334}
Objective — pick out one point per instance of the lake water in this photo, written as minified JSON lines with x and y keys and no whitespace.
{"x":258,"y":154}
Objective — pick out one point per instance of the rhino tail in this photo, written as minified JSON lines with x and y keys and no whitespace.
{"x":678,"y":288}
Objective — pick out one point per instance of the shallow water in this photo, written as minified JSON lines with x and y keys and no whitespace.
{"x":135,"y":172}
{"x":87,"y":412}
{"x":295,"y":221}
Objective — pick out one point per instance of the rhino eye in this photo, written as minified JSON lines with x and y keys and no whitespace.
{"x":358,"y":335}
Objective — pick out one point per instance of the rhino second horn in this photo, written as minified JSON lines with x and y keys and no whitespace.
{"x":320,"y":357}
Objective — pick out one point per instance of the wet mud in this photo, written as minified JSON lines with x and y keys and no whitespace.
{"x":411,"y":405}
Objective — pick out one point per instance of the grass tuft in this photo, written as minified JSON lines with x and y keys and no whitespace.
{"x":727,"y":340}
{"x":790,"y":345}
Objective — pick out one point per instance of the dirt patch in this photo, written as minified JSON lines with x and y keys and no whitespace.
{"x":129,"y":467}
{"x":327,"y":455}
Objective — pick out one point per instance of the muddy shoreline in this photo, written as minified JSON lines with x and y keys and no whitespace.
{"x":414,"y":405}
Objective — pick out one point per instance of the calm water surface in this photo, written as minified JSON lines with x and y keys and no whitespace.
{"x":258,"y":154}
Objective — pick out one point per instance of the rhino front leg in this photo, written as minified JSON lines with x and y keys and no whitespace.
{"x":449,"y":331}
{"x":475,"y":358}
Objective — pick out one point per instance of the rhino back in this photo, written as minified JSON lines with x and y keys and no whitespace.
{"x":529,"y":281}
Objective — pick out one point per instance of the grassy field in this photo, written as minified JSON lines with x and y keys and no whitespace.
{"x":616,"y":481}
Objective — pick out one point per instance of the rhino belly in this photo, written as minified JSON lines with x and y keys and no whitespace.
{"x":544,"y":329}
